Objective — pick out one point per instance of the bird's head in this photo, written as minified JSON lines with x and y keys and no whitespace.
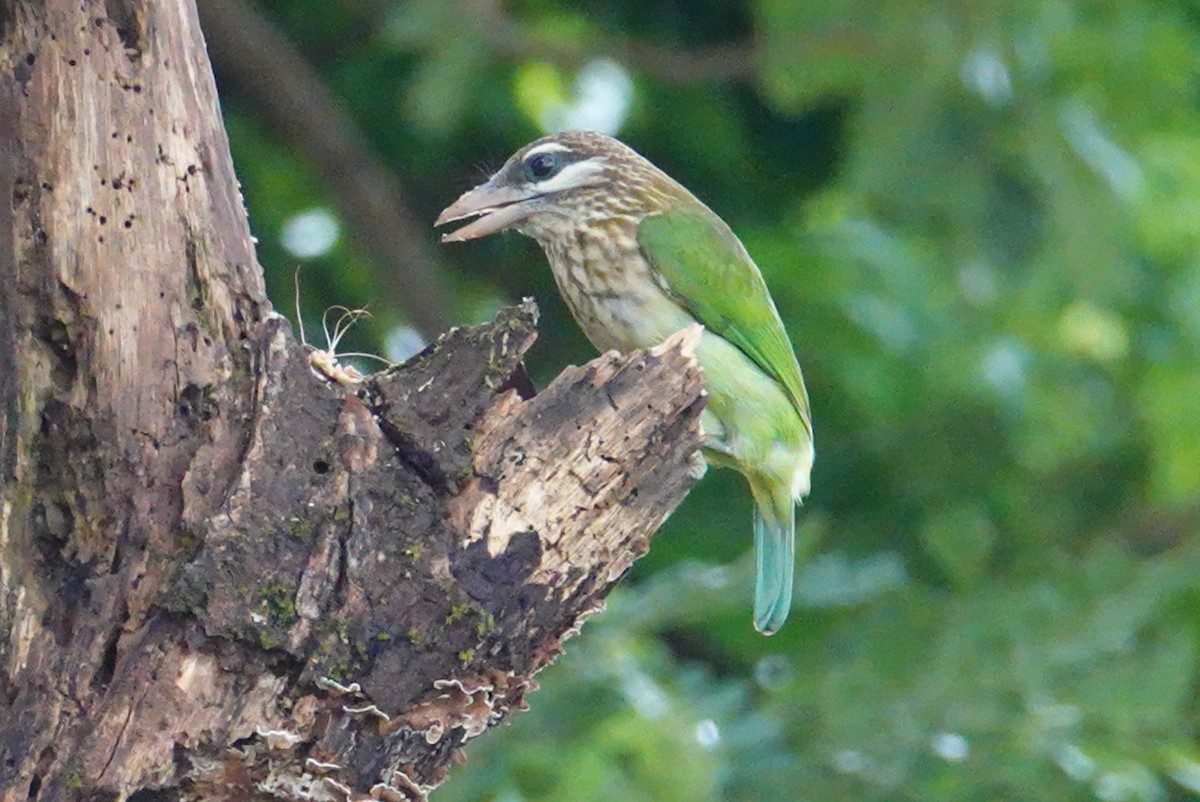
{"x":559,"y":181}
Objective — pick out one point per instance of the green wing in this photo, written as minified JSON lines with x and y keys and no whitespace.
{"x":707,"y":270}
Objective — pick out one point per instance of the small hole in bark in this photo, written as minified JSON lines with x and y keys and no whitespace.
{"x":242,"y":743}
{"x":71,"y":62}
{"x":54,"y":334}
{"x":195,"y":404}
{"x":103,"y":219}
{"x":30,"y":59}
{"x":108,"y":664}
{"x":122,"y":14}
{"x":45,"y":759}
{"x":321,"y":466}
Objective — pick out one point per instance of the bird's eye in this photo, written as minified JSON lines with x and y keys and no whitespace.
{"x":541,"y":165}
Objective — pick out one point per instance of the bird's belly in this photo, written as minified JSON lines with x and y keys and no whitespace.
{"x":630,"y":321}
{"x":750,"y":420}
{"x":622,"y":309}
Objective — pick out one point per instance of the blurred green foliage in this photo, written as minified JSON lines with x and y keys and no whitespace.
{"x":981,"y":222}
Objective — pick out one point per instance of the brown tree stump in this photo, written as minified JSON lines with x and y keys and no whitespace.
{"x":221,"y":575}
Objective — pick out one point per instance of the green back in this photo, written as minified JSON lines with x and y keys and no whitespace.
{"x":707,"y":270}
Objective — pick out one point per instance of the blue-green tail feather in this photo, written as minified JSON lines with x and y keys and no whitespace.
{"x":775,"y":556}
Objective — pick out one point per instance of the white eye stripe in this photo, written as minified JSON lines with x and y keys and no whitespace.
{"x":549,"y":147}
{"x":572,"y":175}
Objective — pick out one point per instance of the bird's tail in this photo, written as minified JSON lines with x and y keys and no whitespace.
{"x":775,"y":557}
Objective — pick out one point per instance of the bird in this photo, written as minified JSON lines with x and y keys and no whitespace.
{"x":637,"y":258}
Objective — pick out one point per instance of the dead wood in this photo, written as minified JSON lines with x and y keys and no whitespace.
{"x":222,"y":576}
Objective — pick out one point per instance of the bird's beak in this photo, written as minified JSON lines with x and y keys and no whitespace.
{"x":498,"y":205}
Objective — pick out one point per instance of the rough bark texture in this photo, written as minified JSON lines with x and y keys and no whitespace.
{"x":222,"y":577}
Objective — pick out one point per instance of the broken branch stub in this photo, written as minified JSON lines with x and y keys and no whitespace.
{"x":440,"y":536}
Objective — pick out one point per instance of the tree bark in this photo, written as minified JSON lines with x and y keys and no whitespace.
{"x":223,"y":576}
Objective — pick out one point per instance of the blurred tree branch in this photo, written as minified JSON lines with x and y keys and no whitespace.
{"x":726,"y":62}
{"x":737,"y":60}
{"x":261,"y":64}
